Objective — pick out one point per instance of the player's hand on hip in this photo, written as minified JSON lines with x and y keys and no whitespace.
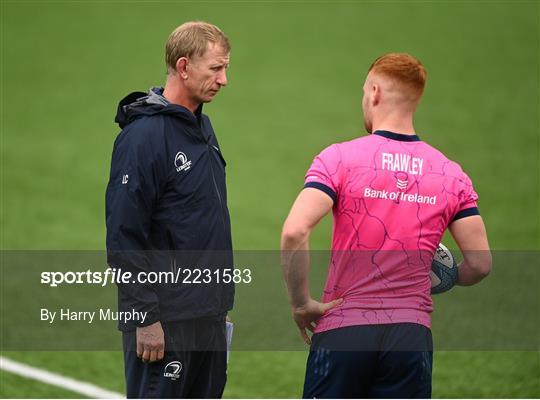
{"x":306,"y":315}
{"x":150,"y":342}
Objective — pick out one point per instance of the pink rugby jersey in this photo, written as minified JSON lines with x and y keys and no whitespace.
{"x":394,"y":196}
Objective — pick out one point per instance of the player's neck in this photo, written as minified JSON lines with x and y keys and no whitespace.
{"x":397,"y":123}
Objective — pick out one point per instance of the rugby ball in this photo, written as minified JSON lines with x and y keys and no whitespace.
{"x":444,"y":271}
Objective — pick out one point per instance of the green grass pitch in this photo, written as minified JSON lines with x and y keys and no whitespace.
{"x":295,"y":82}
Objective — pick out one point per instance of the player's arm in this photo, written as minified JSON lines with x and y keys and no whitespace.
{"x":309,"y":208}
{"x":137,"y":176}
{"x":471,"y":237}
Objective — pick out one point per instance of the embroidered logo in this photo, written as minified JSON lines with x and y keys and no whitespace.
{"x":181,"y":162}
{"x":172,"y":370}
{"x":402,"y":180}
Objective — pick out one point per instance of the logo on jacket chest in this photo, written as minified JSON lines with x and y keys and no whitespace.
{"x":181,"y":162}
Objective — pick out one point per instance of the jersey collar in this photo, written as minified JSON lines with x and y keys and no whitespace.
{"x":397,"y":136}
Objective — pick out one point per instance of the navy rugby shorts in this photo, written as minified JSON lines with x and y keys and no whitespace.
{"x":370,"y":361}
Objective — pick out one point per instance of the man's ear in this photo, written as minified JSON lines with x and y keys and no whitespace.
{"x":181,"y":67}
{"x":376,"y":94}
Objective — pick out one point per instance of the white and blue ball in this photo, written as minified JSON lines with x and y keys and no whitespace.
{"x":444,"y":271}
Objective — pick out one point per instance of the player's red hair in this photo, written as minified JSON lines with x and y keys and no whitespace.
{"x":404,"y":69}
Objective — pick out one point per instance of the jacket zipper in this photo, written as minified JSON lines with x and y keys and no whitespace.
{"x":208,"y":147}
{"x":215,"y":184}
{"x":172,"y":253}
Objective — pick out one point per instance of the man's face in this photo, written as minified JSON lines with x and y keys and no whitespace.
{"x":207,"y":74}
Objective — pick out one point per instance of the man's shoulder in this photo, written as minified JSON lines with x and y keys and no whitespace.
{"x":145,"y":129}
{"x":361,"y":142}
{"x":349,"y":148}
{"x":144,"y":135}
{"x":335,"y":152}
{"x":441,"y":163}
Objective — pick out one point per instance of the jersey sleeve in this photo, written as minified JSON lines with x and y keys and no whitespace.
{"x":137,"y":177}
{"x":324,"y":172}
{"x":467,"y":199}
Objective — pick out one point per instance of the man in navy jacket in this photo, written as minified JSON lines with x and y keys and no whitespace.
{"x":166,"y":212}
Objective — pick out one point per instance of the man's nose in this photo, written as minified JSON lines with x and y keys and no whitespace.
{"x":222,"y":78}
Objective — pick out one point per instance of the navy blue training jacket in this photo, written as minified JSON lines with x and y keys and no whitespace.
{"x":166,"y":209}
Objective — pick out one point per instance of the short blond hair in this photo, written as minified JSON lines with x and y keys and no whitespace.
{"x":405,"y":69}
{"x":191,"y":39}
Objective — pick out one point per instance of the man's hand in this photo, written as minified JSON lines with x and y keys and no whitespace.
{"x":306,"y":315}
{"x":150,"y":342}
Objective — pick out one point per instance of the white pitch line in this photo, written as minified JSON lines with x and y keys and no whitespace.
{"x":84,"y":388}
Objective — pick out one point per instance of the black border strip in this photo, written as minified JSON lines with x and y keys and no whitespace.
{"x":468,"y":212}
{"x":324,"y":188}
{"x":397,"y":136}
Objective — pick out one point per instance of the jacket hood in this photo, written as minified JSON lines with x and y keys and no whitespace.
{"x":136,"y":104}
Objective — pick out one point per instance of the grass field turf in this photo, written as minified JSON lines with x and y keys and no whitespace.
{"x":294,"y":87}
{"x":280,"y":374}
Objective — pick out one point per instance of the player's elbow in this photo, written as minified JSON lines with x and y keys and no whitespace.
{"x":293,"y":233}
{"x":481,"y":263}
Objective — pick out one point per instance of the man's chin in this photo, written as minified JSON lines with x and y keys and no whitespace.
{"x":207,"y":98}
